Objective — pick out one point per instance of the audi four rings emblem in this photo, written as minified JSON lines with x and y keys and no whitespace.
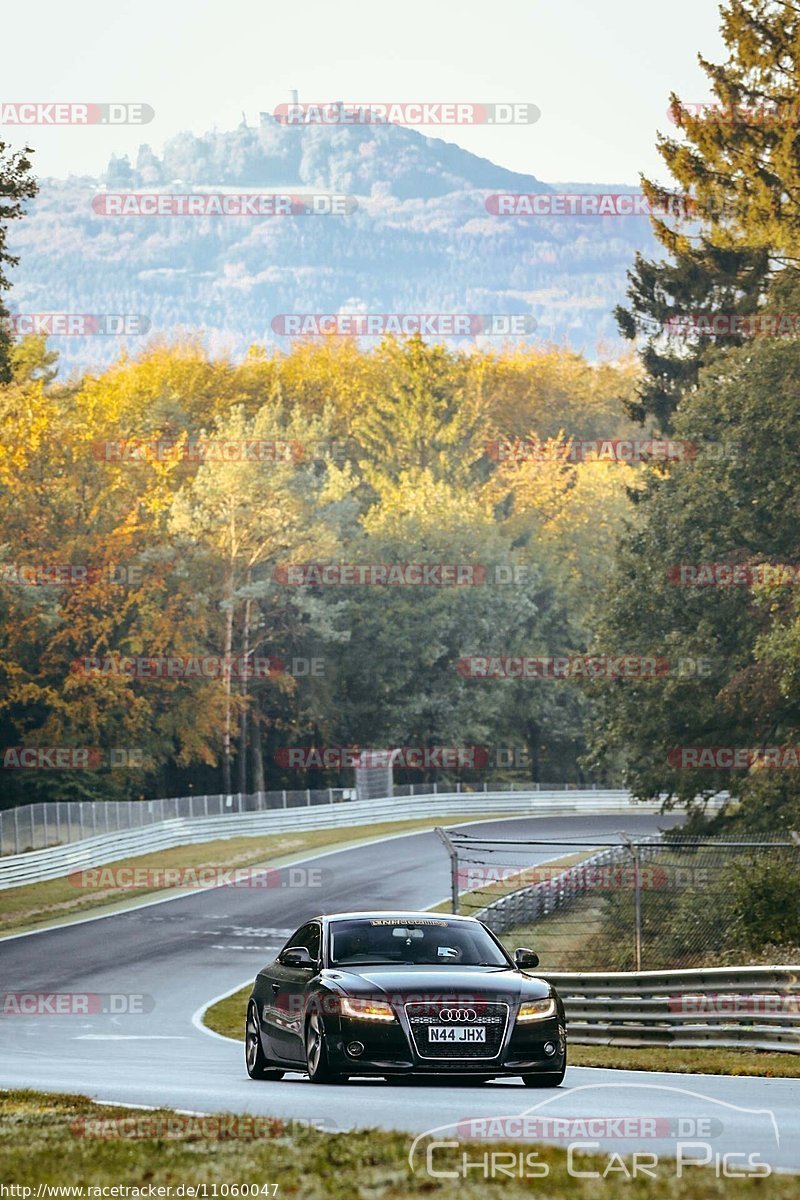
{"x":458,"y":1014}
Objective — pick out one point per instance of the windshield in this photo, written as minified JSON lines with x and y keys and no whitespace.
{"x":429,"y":942}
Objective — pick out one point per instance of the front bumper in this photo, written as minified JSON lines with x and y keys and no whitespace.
{"x":392,"y":1049}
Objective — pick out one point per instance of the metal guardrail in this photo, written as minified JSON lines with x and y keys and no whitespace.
{"x":52,"y":823}
{"x":58,"y":861}
{"x":755,"y":1008}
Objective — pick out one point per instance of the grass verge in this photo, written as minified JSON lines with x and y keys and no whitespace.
{"x":41,"y":1145}
{"x":37,"y":904}
{"x":227,"y":1017}
{"x":509,"y":881}
{"x":762,"y":1063}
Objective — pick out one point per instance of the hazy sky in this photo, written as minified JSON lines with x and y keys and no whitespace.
{"x":600,"y":72}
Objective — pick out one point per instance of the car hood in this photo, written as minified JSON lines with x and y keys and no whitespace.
{"x":450,"y":984}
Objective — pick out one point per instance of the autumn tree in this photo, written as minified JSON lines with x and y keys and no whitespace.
{"x":17,"y":185}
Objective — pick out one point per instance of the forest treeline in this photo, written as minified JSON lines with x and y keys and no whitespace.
{"x":155,"y":521}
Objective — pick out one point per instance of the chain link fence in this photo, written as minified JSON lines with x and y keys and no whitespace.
{"x":672,"y":901}
{"x":37,"y":826}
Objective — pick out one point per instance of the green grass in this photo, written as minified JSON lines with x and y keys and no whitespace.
{"x":227,"y":1017}
{"x":40,"y":1143}
{"x":565,"y":940}
{"x":763,"y":1063}
{"x":36,"y":904}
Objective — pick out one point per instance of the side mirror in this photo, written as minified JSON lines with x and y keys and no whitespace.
{"x":299,"y":956}
{"x":525,"y":958}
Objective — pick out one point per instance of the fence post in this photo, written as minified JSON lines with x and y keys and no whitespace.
{"x":308,"y":797}
{"x":451,"y":850}
{"x":44,"y":821}
{"x":637,"y":904}
{"x":16,"y":829}
{"x":283,"y":793}
{"x":330,"y":795}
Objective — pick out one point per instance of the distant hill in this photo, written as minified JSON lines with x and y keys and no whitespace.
{"x":420,"y":240}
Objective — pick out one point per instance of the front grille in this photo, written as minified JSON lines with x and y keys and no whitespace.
{"x":491,"y":1017}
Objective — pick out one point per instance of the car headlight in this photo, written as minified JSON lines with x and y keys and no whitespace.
{"x":367,"y":1010}
{"x":537,"y":1010}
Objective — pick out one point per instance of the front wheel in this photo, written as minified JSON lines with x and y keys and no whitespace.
{"x":548,"y":1079}
{"x":317,"y":1063}
{"x":256,"y":1061}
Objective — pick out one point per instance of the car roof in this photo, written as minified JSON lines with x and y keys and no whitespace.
{"x":400,"y":914}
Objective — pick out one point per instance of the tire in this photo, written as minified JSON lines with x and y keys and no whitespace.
{"x":546,"y":1079}
{"x":255,"y":1060}
{"x":317,"y":1064}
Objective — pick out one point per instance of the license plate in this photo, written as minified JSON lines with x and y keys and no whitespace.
{"x":456,"y":1033}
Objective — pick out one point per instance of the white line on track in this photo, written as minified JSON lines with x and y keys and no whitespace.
{"x":130,"y":1037}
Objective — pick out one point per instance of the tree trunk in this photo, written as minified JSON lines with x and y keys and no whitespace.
{"x":226,"y":674}
{"x":244,"y":690}
{"x":534,"y":741}
{"x":258,"y":759}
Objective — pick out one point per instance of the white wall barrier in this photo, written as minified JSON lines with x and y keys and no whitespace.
{"x":58,"y":861}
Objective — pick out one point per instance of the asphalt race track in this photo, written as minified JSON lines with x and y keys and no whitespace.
{"x":186,"y":951}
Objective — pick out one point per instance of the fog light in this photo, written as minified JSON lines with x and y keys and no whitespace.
{"x":354,"y":1049}
{"x":549,"y":1047}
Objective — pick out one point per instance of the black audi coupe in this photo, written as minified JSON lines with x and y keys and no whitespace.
{"x":398,"y":993}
